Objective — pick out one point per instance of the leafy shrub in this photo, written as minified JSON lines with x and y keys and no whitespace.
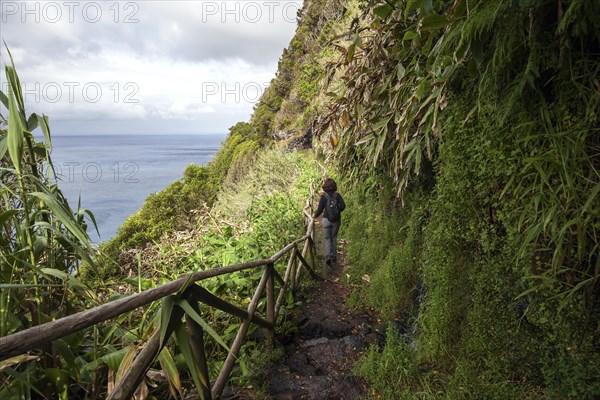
{"x":390,"y":369}
{"x":242,"y":139}
{"x":308,"y":81}
{"x":262,"y":117}
{"x":167,"y":210}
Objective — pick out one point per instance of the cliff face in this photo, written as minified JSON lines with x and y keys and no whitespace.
{"x":288,"y":110}
{"x":466,"y":137}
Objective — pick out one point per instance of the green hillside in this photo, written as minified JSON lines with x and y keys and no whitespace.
{"x":465,"y":138}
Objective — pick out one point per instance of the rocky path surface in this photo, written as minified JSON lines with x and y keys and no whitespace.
{"x":319,"y":360}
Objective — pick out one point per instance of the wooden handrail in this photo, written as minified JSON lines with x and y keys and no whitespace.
{"x":210,"y":299}
{"x":33,"y":337}
{"x":40,"y":335}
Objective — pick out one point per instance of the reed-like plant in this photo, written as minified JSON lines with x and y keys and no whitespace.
{"x":42,"y":242}
{"x":531,"y":69}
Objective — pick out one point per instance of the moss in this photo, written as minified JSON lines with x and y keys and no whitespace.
{"x":478,"y":335}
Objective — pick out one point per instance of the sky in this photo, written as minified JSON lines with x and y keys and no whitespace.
{"x":145,"y":67}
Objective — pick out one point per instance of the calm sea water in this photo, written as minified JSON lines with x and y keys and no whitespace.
{"x":114,"y":174}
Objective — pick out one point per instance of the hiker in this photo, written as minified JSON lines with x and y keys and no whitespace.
{"x":331,"y":205}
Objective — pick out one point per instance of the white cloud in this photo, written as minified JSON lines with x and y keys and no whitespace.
{"x":182,"y":61}
{"x":184,"y":110}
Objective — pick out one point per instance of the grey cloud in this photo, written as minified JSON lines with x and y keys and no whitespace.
{"x":166,"y":31}
{"x":181,"y":30}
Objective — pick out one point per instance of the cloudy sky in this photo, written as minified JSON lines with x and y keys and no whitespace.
{"x":145,"y":67}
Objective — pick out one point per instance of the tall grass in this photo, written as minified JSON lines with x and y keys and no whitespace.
{"x":42,"y":243}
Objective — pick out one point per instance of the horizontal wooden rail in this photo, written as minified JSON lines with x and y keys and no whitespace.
{"x":34,"y":337}
{"x":210,"y":299}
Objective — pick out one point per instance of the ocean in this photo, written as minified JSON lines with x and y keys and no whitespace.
{"x":113,"y":174}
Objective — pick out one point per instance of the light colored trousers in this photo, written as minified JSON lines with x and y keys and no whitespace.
{"x":330,"y":230}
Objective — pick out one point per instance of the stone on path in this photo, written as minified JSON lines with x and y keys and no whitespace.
{"x":319,"y":362}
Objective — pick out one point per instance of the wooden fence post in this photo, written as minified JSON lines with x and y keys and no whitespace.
{"x":312,"y":252}
{"x":298,"y":267}
{"x":293,"y":272}
{"x":135,"y":374}
{"x":271,"y":300}
{"x":196,"y":335}
{"x":221,"y":380}
{"x":287,"y":283}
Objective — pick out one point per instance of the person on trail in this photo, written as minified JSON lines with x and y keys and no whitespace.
{"x":331,"y":205}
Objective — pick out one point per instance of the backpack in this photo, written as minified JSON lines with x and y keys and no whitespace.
{"x":333,"y":208}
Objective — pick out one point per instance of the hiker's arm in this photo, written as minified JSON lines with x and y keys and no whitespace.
{"x":321,"y":207}
{"x":341,"y":204}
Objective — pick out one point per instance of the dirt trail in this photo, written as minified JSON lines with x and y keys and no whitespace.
{"x":319,"y":360}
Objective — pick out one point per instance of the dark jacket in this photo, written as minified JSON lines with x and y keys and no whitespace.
{"x":323,"y":204}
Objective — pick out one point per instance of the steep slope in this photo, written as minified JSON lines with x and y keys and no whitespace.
{"x":467,"y":137}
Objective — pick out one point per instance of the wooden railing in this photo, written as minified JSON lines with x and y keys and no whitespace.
{"x":40,"y":335}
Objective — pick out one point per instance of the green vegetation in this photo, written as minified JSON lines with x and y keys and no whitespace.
{"x":464,"y":135}
{"x":393,"y":243}
{"x":42,"y":243}
{"x":393,"y":364}
{"x":482,"y":118}
{"x":249,"y":222}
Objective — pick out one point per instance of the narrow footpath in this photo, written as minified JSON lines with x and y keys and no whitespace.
{"x":319,"y":360}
